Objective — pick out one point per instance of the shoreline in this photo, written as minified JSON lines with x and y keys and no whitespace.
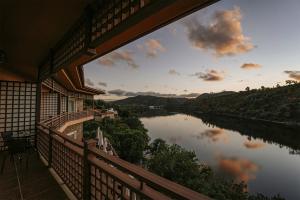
{"x":279,"y":123}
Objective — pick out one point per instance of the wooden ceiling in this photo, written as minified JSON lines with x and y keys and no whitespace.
{"x":29,"y":28}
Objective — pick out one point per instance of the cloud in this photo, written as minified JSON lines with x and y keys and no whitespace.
{"x":241,"y":169}
{"x":293,"y":74}
{"x":118,"y":92}
{"x":89,"y":82}
{"x":124,"y":93}
{"x":214,"y":135}
{"x":223,"y":35}
{"x":119,"y":56}
{"x":210,"y":75}
{"x":250,"y":66}
{"x":173,"y":72}
{"x":106,"y":61}
{"x":253,"y":145}
{"x":153,"y":47}
{"x":102,"y":84}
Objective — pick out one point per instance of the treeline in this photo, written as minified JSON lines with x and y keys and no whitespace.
{"x":280,"y":104}
{"x":146,"y":101}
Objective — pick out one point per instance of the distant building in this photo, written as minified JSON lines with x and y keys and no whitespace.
{"x":155,"y":107}
{"x":110,"y":113}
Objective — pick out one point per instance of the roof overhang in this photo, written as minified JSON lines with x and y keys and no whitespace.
{"x":73,"y":82}
{"x":31,"y":29}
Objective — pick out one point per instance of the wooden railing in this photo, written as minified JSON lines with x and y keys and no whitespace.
{"x":60,"y":120}
{"x":90,"y":173}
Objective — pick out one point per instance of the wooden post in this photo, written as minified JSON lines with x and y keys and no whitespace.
{"x":50,"y":148}
{"x":38,"y":109}
{"x":86,"y":173}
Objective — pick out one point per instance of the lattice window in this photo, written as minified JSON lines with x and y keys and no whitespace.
{"x":64,"y":104}
{"x":49,"y":105}
{"x":112,"y":13}
{"x":17,"y":106}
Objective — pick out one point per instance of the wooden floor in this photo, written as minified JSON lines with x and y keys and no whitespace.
{"x":33,"y":181}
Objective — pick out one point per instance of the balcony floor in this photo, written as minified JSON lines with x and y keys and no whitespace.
{"x":36,"y":182}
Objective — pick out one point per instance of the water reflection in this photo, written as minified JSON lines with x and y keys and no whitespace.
{"x":270,"y":133}
{"x":239,"y":168}
{"x":265,"y":156}
{"x":213,"y":135}
{"x":254,"y":145}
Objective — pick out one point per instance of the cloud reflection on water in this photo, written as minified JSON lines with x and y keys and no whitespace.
{"x":254,"y":144}
{"x":214,"y":135}
{"x":240,"y":168}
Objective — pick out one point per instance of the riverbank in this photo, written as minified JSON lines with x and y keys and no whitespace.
{"x":293,"y":125}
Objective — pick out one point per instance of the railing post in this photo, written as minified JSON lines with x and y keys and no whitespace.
{"x":86,"y":173}
{"x":50,"y":148}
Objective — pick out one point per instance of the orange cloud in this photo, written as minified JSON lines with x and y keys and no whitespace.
{"x":224,"y":34}
{"x":293,"y":74}
{"x":106,"y":61}
{"x":118,"y":56}
{"x":250,"y":66}
{"x":240,"y":169}
{"x":154,"y":47}
{"x":253,"y":145}
{"x":210,"y":75}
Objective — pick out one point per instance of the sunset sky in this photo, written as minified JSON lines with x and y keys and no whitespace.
{"x":227,"y":46}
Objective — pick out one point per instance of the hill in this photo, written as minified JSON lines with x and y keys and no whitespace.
{"x":280,"y":104}
{"x":142,"y":100}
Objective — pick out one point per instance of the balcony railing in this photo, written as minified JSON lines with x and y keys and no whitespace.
{"x":60,"y":120}
{"x":90,"y":173}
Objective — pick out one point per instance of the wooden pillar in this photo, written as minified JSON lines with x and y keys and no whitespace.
{"x":58,"y":104}
{"x":50,"y":147}
{"x":86,"y":172}
{"x":38,"y":102}
{"x":67,"y":104}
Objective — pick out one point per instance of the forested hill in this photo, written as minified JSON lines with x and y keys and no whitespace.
{"x":151,"y":101}
{"x":274,"y":104}
{"x":280,"y":104}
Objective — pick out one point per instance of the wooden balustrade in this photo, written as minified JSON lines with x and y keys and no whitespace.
{"x":90,"y":173}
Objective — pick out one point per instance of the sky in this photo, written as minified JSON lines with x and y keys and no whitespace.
{"x":230,"y":45}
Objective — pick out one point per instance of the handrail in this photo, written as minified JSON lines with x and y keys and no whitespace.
{"x":59,"y":120}
{"x":173,"y":189}
{"x":139,"y":180}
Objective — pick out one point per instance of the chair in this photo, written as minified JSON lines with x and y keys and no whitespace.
{"x":15,"y":146}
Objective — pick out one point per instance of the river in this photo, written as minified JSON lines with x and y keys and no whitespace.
{"x":265,"y":156}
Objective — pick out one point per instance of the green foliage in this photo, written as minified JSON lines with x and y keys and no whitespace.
{"x":181,"y":166}
{"x":274,"y":104}
{"x":127,"y":135}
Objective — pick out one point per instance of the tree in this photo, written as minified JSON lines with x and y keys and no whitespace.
{"x":181,"y":166}
{"x":247,"y":89}
{"x":291,"y":82}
